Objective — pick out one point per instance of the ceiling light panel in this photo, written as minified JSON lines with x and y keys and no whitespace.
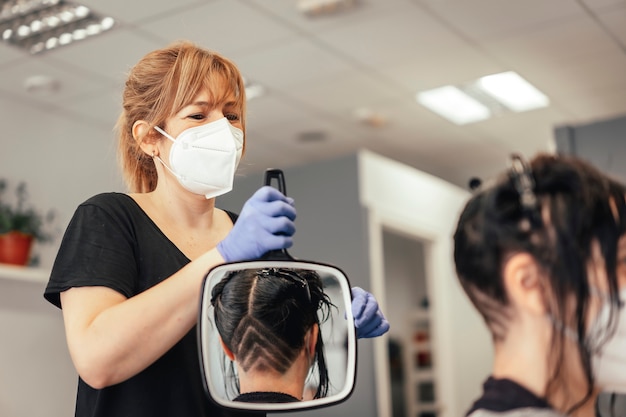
{"x":453,"y":104}
{"x":489,"y":96}
{"x":315,"y":8}
{"x":513,"y":91}
{"x":253,"y":89}
{"x":41,"y":25}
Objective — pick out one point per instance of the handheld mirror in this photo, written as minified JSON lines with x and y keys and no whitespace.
{"x":277,"y":333}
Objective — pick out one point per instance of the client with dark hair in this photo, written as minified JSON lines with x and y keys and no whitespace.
{"x":541,"y":253}
{"x":268,"y":323}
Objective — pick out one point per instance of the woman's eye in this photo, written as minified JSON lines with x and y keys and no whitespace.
{"x":232,"y":116}
{"x":198,"y":116}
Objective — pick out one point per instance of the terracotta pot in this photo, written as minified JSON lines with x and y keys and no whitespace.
{"x":15,"y":248}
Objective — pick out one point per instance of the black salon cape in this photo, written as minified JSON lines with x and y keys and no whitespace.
{"x":266,"y":397}
{"x":506,"y":398}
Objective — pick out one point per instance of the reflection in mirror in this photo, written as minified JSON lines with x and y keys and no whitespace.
{"x":277,"y":335}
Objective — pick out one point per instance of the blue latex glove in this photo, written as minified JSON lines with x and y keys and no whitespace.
{"x":368,"y":319}
{"x":266,"y":223}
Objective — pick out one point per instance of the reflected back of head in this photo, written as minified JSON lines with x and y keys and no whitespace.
{"x":263,"y":316}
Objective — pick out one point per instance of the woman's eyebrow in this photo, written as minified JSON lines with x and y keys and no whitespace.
{"x":202,"y":103}
{"x":199,"y":103}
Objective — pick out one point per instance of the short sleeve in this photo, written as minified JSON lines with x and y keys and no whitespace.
{"x":97,"y":249}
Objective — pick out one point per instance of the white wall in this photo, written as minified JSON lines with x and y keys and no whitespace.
{"x":36,"y":374}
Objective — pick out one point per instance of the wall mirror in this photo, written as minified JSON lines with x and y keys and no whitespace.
{"x":276,"y":335}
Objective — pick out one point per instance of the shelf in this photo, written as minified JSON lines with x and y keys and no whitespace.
{"x":431,"y":408}
{"x":23,"y":273}
{"x":423,"y":375}
{"x":421,"y":392}
{"x":421,"y":346}
{"x":420,"y":315}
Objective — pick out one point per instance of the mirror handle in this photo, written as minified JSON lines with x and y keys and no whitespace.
{"x":276,"y":174}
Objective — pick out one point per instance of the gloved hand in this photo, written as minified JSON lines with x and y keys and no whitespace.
{"x":368,"y":319}
{"x":266,"y":222}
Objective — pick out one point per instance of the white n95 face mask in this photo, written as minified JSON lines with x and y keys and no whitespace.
{"x":609,"y":363}
{"x":204,"y":158}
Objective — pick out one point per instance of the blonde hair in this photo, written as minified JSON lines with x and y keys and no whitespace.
{"x":158,"y":86}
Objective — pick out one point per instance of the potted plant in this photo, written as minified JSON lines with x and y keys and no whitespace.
{"x":21,"y":225}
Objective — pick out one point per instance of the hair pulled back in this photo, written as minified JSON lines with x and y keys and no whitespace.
{"x":575,"y":207}
{"x":157,"y":87}
{"x":263,"y":316}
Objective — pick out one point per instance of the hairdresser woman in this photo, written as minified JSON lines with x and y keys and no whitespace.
{"x":130,"y":266}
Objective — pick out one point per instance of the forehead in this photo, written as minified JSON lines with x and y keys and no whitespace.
{"x":217,"y":90}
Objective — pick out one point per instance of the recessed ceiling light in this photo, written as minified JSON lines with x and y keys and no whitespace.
{"x":311,"y":136}
{"x":315,"y":8}
{"x":453,"y":104}
{"x":513,"y":91}
{"x":483,"y":98}
{"x":42,"y":84}
{"x":370,"y":117}
{"x":41,"y":25}
{"x":253,"y":89}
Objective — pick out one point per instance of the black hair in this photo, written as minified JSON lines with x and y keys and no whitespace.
{"x":555,"y":209}
{"x":263,"y":315}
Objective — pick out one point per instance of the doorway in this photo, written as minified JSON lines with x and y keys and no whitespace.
{"x":410,"y":348}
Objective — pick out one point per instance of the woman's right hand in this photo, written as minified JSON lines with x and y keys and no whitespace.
{"x":265,"y":223}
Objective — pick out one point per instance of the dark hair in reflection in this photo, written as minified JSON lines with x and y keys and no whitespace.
{"x":263,"y":315}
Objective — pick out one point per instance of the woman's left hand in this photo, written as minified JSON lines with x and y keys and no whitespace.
{"x":368,"y":319}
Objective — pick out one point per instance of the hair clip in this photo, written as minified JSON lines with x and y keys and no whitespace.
{"x":522,"y":177}
{"x":474,"y":183}
{"x":288,"y":275}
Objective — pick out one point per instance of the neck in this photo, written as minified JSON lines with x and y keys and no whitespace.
{"x":522,"y":366}
{"x":189,"y":221}
{"x":524,"y":356}
{"x":180,"y":206}
{"x":291,"y":382}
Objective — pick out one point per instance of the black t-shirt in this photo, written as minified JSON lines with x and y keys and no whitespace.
{"x":111,"y":242}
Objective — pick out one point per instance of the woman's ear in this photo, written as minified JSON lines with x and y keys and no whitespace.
{"x":146,"y":137}
{"x":523,"y":281}
{"x":312,"y":342}
{"x":227,"y":351}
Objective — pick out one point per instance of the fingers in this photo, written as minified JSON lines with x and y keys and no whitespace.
{"x":279,"y":226}
{"x":275,"y":242}
{"x":270,"y":202}
{"x":268,"y":194}
{"x":368,"y":311}
{"x":368,"y":319}
{"x":375,"y":326}
{"x":359,"y":302}
{"x":381,"y":327}
{"x":277,"y":209}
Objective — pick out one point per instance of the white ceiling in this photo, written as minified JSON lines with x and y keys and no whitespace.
{"x":318,"y":71}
